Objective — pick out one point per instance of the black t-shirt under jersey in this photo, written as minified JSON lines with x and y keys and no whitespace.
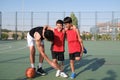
{"x":36,"y":29}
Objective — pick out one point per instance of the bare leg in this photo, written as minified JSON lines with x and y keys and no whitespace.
{"x":32,"y":54}
{"x":41,"y":51}
{"x":53,"y":64}
{"x":41,"y":58}
{"x":61,"y":64}
{"x":72,"y":65}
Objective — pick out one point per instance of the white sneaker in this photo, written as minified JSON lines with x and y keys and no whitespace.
{"x":57,"y":73}
{"x":62,"y":74}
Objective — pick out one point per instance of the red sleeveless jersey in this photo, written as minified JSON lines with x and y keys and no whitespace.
{"x":73,"y":42}
{"x":58,"y":43}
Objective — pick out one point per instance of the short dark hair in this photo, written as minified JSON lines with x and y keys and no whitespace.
{"x":59,"y":22}
{"x":49,"y":35}
{"x":67,"y":20}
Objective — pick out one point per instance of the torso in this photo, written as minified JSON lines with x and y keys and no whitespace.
{"x":58,"y":43}
{"x":36,"y":29}
{"x":73,"y":42}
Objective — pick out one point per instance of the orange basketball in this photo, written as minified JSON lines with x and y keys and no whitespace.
{"x":30,"y":72}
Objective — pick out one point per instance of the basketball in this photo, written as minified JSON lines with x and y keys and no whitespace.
{"x":30,"y":72}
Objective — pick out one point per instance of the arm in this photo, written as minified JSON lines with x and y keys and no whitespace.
{"x":41,"y":50}
{"x":48,"y":28}
{"x":78,"y":33}
{"x":80,"y":40}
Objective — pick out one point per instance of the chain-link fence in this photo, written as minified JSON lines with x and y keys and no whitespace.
{"x":95,"y":23}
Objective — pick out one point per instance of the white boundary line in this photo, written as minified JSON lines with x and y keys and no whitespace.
{"x":14,"y":49}
{"x":4,"y":47}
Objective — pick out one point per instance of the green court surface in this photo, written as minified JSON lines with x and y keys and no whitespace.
{"x":102,"y":62}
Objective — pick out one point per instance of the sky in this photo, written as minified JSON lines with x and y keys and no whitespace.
{"x":60,"y":5}
{"x":57,"y":6}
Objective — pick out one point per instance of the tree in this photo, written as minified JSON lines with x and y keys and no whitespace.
{"x":15,"y":36}
{"x":4,"y":36}
{"x":74,"y":19}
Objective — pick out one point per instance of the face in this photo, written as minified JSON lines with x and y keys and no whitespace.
{"x":67,"y":25}
{"x":59,"y":26}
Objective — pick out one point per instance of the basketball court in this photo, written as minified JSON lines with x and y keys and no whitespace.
{"x":102,"y":62}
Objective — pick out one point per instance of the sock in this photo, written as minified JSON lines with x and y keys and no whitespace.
{"x":61,"y":65}
{"x":58,"y":71}
{"x":32,"y":65}
{"x":40,"y":65}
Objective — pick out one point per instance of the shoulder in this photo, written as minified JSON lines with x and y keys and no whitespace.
{"x":74,"y":27}
{"x":37,"y":36}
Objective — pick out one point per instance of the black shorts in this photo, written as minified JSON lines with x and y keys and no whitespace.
{"x":73,"y":55}
{"x":58,"y":55}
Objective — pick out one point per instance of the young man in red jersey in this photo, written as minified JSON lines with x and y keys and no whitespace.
{"x":75,"y":45}
{"x":57,"y":47}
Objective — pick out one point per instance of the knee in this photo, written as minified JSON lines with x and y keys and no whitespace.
{"x":77,"y":58}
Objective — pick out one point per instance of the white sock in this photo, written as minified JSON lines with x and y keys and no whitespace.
{"x":32,"y":65}
{"x":40,"y":65}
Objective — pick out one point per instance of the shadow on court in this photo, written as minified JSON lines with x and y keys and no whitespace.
{"x":111,"y":75}
{"x":91,"y":64}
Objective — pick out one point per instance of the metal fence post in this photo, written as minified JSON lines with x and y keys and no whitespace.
{"x":47,"y":18}
{"x":95,"y":34}
{"x":31,"y":19}
{"x":79,"y":20}
{"x":0,"y":24}
{"x":16,"y":26}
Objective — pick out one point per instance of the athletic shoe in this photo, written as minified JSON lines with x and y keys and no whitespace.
{"x":57,"y":73}
{"x":41,"y":71}
{"x":62,"y":74}
{"x":85,"y":50}
{"x":73,"y":75}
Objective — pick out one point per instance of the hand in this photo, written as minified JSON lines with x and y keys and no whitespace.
{"x":54,"y":65}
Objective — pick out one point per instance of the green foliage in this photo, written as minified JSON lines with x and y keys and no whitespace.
{"x":83,"y":37}
{"x":118,"y":37}
{"x":4,"y":36}
{"x":74,"y":19}
{"x":86,"y":36}
{"x":98,"y":37}
{"x":6,"y":30}
{"x":15,"y":36}
{"x":23,"y":36}
{"x":102,"y":37}
{"x":106,"y":37}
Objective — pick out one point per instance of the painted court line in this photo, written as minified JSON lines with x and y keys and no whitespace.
{"x":14,"y":49}
{"x":4,"y":47}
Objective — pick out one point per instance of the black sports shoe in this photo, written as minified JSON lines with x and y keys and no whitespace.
{"x":41,"y":71}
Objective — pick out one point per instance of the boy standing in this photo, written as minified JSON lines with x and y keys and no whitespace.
{"x":57,"y":47}
{"x":75,"y":46}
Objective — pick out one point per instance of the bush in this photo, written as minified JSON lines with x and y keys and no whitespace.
{"x":23,"y":36}
{"x":118,"y":37}
{"x":86,"y":36}
{"x":98,"y":37}
{"x":15,"y":36}
{"x":4,"y":36}
{"x":106,"y":37}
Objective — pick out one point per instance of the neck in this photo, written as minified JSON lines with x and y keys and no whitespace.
{"x":59,"y":29}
